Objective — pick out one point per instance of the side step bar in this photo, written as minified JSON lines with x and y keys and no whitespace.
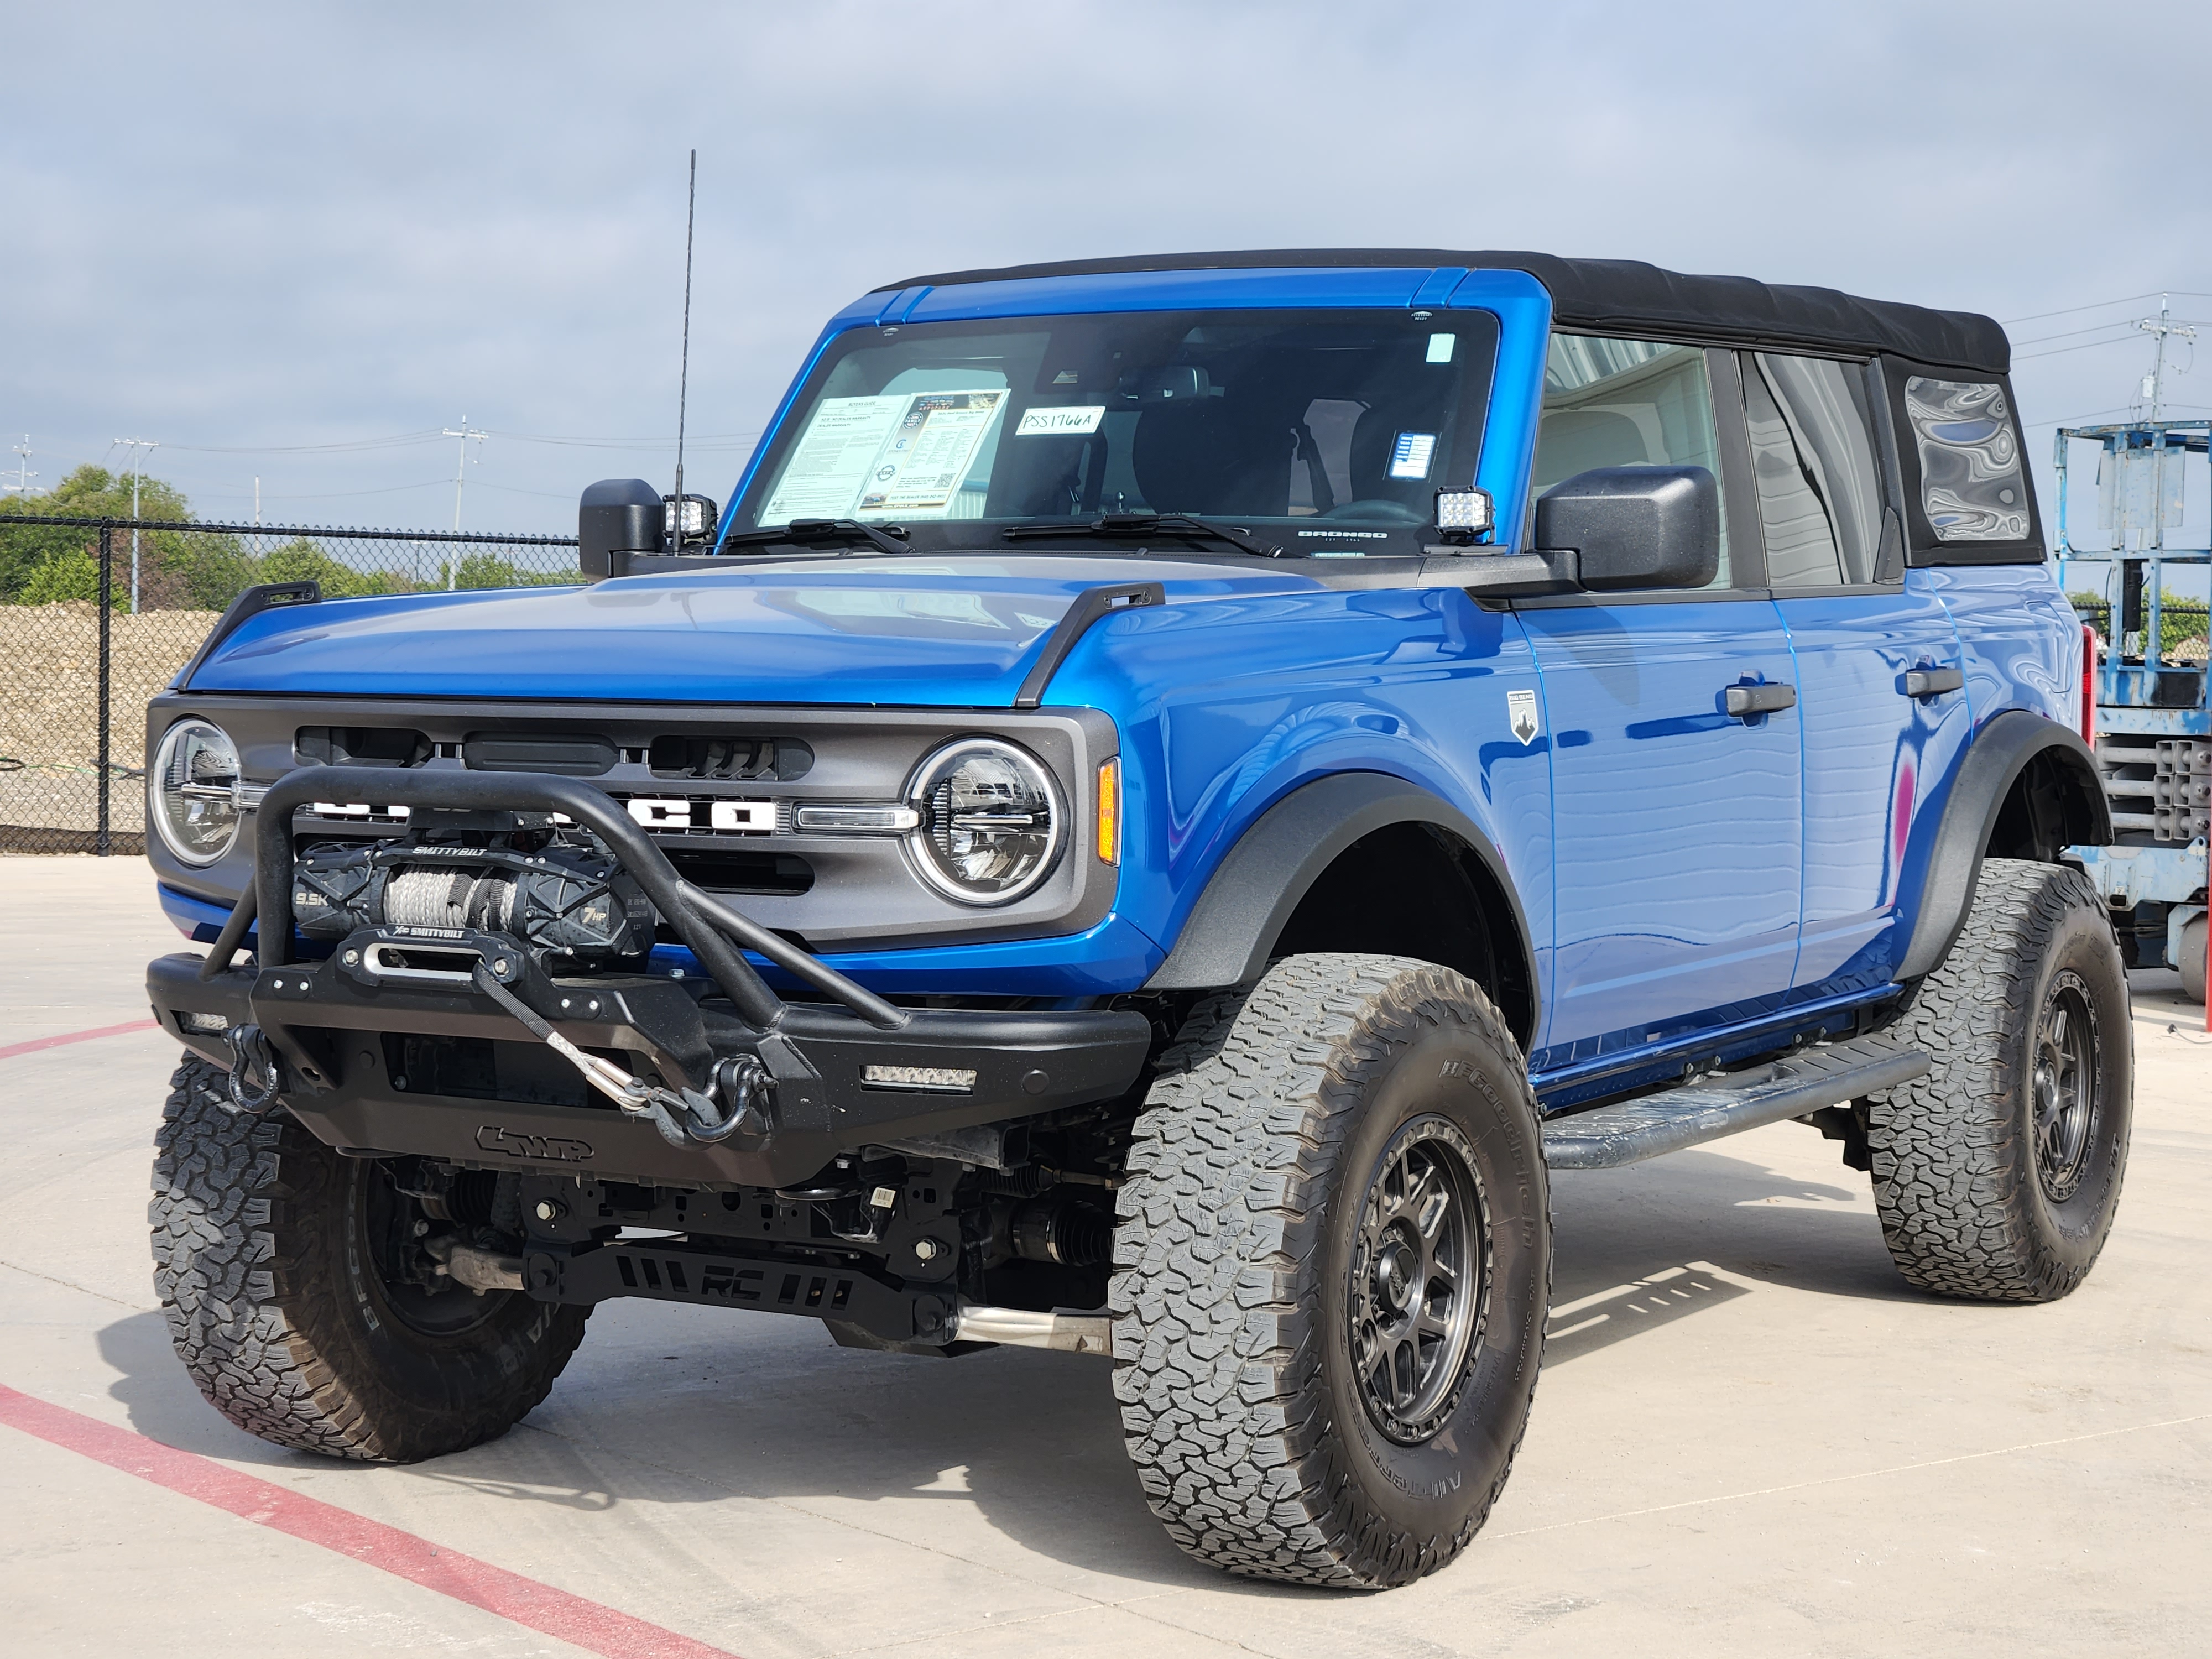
{"x":1827,"y":1074}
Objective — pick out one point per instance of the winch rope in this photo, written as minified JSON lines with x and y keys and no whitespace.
{"x":671,"y":1112}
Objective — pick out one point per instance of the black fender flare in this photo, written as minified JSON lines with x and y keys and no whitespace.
{"x":1255,"y":889}
{"x":2000,"y":752}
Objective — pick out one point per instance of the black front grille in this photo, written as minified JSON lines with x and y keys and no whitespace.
{"x":565,"y":753}
{"x":684,"y":756}
{"x":742,"y":873}
{"x":361,"y":745}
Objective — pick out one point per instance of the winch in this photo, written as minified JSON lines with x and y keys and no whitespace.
{"x":558,"y":891}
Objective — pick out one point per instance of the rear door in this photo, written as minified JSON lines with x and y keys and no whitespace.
{"x":1677,"y":826}
{"x":1880,"y":699}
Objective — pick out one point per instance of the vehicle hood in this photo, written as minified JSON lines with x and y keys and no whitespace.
{"x":945,"y":632}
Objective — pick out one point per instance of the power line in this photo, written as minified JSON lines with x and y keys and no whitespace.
{"x":429,"y":435}
{"x":2099,"y":305}
{"x":396,"y":440}
{"x":2069,"y":333}
{"x":2058,"y":351}
{"x":2068,"y":311}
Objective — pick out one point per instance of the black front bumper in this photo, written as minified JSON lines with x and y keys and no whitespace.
{"x":1024,"y":1063}
{"x":338,"y":1031}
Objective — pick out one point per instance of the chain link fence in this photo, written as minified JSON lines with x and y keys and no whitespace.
{"x":97,"y":614}
{"x":2182,"y":627}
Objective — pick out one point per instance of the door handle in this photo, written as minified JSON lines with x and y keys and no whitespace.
{"x":1745,"y":701}
{"x":1932,"y":681}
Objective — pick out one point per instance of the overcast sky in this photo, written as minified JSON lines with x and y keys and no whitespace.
{"x":250,"y":231}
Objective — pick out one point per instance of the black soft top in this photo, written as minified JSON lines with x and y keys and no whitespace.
{"x":1619,"y":296}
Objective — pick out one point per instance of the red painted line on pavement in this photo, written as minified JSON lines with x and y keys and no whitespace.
{"x":37,"y":1043}
{"x":524,"y":1601}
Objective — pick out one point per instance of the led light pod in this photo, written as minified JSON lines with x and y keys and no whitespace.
{"x":1464,"y":512}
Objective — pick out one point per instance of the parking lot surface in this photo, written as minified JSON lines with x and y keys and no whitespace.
{"x":1749,"y":1432}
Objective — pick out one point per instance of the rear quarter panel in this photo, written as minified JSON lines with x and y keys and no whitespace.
{"x":2021,"y":644}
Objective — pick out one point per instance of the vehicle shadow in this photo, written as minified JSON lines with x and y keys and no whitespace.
{"x":1013,"y":1449}
{"x":1638,"y":1247}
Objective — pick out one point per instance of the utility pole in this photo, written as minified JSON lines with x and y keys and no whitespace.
{"x":460,"y":468}
{"x":2164,"y":328}
{"x":138,"y":446}
{"x":23,"y":473}
{"x":257,"y":501}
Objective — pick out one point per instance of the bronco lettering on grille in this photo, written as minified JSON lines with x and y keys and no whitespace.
{"x":550,"y":1149}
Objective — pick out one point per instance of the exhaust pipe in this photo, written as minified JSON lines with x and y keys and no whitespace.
{"x":1023,"y":1327}
{"x":478,"y":1270}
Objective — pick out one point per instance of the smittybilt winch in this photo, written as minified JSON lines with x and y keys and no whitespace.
{"x":558,"y":891}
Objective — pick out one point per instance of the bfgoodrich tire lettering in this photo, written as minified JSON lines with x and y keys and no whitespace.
{"x":1237,"y":1340}
{"x":1997,"y":1175}
{"x":281,"y":1321}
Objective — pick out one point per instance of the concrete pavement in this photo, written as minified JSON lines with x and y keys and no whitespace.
{"x":1749,"y":1431}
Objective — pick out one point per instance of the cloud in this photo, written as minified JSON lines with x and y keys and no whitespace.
{"x":285,"y":225}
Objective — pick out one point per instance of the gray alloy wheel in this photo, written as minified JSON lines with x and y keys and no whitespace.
{"x":1332,"y":1266}
{"x":1997,"y":1175}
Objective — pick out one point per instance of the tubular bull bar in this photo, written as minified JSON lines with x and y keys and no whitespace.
{"x":854,"y":1071}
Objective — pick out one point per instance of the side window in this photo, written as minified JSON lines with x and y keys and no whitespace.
{"x":1969,"y":481}
{"x":1626,"y":402}
{"x":1813,"y":468}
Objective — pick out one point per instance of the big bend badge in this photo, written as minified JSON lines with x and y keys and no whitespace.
{"x":1521,"y":716}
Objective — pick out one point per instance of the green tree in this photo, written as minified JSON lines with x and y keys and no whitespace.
{"x":304,"y":561}
{"x":173,"y":566}
{"x":71,"y":574}
{"x":2181,"y":621}
{"x":482,"y":569}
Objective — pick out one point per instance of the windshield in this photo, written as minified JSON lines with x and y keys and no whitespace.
{"x":1324,"y":432}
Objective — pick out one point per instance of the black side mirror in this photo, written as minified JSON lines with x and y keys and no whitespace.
{"x":616,"y":520}
{"x":1636,"y":526}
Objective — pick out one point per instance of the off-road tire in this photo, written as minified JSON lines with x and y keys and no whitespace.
{"x":1246,"y":1179}
{"x":1964,"y":1209}
{"x":282,"y":1323}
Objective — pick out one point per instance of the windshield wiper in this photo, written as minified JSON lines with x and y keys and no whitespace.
{"x":1146,"y":524}
{"x":823,"y":532}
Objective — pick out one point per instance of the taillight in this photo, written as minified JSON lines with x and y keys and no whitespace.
{"x":2089,"y":685}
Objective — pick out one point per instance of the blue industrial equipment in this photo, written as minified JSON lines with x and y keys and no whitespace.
{"x":2147,"y":712}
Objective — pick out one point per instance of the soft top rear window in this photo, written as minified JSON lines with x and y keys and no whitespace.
{"x":1324,"y":431}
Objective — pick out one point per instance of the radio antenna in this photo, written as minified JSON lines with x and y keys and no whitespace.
{"x":684,"y":368}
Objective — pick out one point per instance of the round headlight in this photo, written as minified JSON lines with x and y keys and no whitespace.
{"x":991,"y":821}
{"x":192,"y":794}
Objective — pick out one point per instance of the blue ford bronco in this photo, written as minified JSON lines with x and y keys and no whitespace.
{"x":1177,"y":791}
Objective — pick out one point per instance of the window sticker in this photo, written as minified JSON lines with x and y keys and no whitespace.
{"x":921,"y":466}
{"x":1411,"y":454}
{"x":1440,"y":347}
{"x":1059,"y":422}
{"x":900,"y":453}
{"x":834,"y":458}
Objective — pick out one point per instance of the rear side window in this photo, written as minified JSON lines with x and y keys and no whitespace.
{"x":1812,"y":464}
{"x":1626,"y":402}
{"x":1970,"y":479}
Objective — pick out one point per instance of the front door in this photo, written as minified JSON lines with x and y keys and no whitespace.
{"x":1677,"y":825}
